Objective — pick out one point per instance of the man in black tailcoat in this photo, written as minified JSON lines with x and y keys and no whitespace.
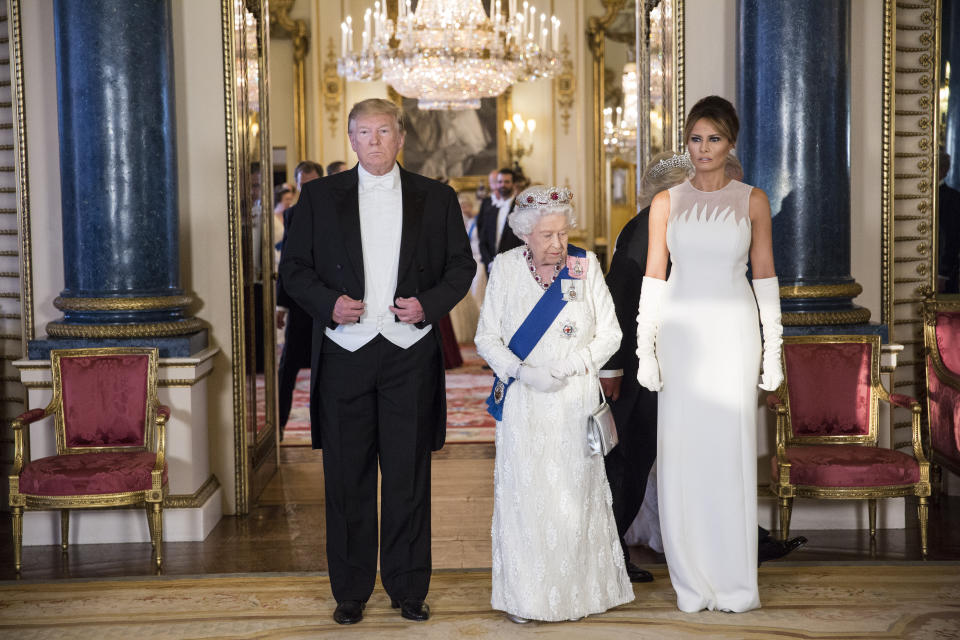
{"x":494,"y":234}
{"x":376,"y":255}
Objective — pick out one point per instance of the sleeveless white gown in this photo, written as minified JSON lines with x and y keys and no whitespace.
{"x":709,"y":350}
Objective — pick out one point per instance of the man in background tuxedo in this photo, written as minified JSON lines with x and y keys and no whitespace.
{"x":492,"y":229}
{"x":295,"y":322}
{"x":377,"y":255}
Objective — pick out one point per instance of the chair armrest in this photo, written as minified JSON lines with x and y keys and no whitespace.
{"x":775,"y":404}
{"x":164,"y":412}
{"x":901,"y":400}
{"x":28,"y":417}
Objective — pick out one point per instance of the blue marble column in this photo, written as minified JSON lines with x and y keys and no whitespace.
{"x":950,"y":52}
{"x":118,"y":167}
{"x":793,"y":95}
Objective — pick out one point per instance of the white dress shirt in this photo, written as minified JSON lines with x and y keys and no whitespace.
{"x":381,"y":223}
{"x":504,"y":206}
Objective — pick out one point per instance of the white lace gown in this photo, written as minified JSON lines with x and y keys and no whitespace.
{"x":556,"y":555}
{"x":709,"y":352}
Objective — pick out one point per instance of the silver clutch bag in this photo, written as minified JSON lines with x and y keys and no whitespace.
{"x":601,"y":429}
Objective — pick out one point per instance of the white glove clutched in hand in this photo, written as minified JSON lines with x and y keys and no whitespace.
{"x":648,"y":325}
{"x":539,"y":378}
{"x":572,"y":365}
{"x":767,"y":292}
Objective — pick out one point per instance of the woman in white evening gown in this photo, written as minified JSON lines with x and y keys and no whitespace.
{"x":698,"y":342}
{"x":556,"y":555}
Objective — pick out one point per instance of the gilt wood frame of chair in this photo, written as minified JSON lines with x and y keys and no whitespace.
{"x":905,"y":474}
{"x":105,"y":440}
{"x":943,"y":387}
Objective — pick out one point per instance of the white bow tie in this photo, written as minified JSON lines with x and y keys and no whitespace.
{"x":384,"y":182}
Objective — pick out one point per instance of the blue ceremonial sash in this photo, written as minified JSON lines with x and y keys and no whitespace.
{"x":531,"y":330}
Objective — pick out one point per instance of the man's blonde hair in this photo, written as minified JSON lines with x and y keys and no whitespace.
{"x":375,"y":106}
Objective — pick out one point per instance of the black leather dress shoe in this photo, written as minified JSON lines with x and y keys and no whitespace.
{"x":772,"y":549}
{"x":348,"y":612}
{"x":637,"y":574}
{"x":412,"y":609}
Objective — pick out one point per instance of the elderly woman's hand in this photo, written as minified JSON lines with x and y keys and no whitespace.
{"x":572,"y":365}
{"x":539,"y":378}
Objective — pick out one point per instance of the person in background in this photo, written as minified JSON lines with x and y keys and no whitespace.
{"x":465,"y":315}
{"x":948,"y":271}
{"x":495,"y":235}
{"x":336,"y":167}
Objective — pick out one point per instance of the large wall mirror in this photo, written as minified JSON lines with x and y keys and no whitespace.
{"x":637,"y":83}
{"x":948,"y":107}
{"x":253,"y":257}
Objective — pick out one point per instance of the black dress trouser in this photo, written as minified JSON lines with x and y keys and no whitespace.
{"x":295,"y":356}
{"x":629,"y":463}
{"x":377,"y":405}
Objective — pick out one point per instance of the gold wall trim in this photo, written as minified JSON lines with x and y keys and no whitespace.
{"x":822,"y":291}
{"x":147,"y":330}
{"x":333,"y":86}
{"x":680,"y":111}
{"x":121,"y":304}
{"x":566,"y":84}
{"x":184,"y":382}
{"x":22,"y":173}
{"x":237,"y":329}
{"x":801,"y":319}
{"x":193,"y":500}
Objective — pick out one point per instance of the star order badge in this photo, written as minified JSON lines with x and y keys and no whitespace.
{"x":568,"y":328}
{"x":498,"y":391}
{"x":577,"y":267}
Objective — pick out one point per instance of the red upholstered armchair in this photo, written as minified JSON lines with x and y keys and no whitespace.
{"x":111,"y":438}
{"x":941,"y":337}
{"x":827,"y":418}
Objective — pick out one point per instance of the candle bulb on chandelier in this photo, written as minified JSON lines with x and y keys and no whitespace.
{"x":376,"y":19}
{"x":543,"y":40}
{"x":343,"y":39}
{"x":555,"y":37}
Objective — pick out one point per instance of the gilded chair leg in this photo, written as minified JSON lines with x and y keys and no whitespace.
{"x":17,"y":518}
{"x":922,"y":510}
{"x":64,"y":529}
{"x":153,"y":539}
{"x":156,"y":517}
{"x":872,"y":511}
{"x":786,"y":504}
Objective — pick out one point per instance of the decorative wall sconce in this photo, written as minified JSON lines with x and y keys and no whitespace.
{"x":519,"y":138}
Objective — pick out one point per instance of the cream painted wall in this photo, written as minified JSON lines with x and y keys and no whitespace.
{"x":204,"y":235}
{"x":281,"y":101}
{"x":204,"y":251}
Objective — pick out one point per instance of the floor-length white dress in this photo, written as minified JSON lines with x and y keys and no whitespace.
{"x":709,"y":352}
{"x":556,"y":555}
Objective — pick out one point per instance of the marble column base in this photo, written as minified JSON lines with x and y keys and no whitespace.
{"x":169,"y":347}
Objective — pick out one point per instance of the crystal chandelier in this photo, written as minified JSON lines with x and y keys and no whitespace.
{"x":620,"y":125}
{"x":448,"y":53}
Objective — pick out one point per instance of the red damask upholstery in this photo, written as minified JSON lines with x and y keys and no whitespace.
{"x":848,"y":466}
{"x":948,"y":339}
{"x":105,"y":400}
{"x":89,"y":474}
{"x":827,"y":430}
{"x":110,"y":432}
{"x":829,"y":388}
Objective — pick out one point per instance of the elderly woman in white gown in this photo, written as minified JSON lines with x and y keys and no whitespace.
{"x":547,"y":324}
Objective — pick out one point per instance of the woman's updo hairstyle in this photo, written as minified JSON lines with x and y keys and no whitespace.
{"x":717,"y":110}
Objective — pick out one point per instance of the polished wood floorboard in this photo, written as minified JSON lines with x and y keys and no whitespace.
{"x":285,"y":531}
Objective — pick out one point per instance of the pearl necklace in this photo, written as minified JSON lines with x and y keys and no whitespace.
{"x":533,"y":269}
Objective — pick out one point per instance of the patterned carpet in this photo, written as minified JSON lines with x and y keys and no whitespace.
{"x":862,"y":601}
{"x":467,"y":419}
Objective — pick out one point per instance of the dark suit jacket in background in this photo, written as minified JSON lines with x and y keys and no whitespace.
{"x":323,"y":259}
{"x":487,"y":232}
{"x":297,"y":333}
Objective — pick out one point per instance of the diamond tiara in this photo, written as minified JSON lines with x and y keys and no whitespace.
{"x":678,"y":161}
{"x":543,"y":197}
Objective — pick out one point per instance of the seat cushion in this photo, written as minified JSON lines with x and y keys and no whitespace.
{"x":89,"y":474}
{"x":944,"y":416}
{"x":848,"y":466}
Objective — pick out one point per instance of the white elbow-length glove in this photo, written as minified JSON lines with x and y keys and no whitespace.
{"x":540,"y":378}
{"x":767,"y":291}
{"x":648,"y":325}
